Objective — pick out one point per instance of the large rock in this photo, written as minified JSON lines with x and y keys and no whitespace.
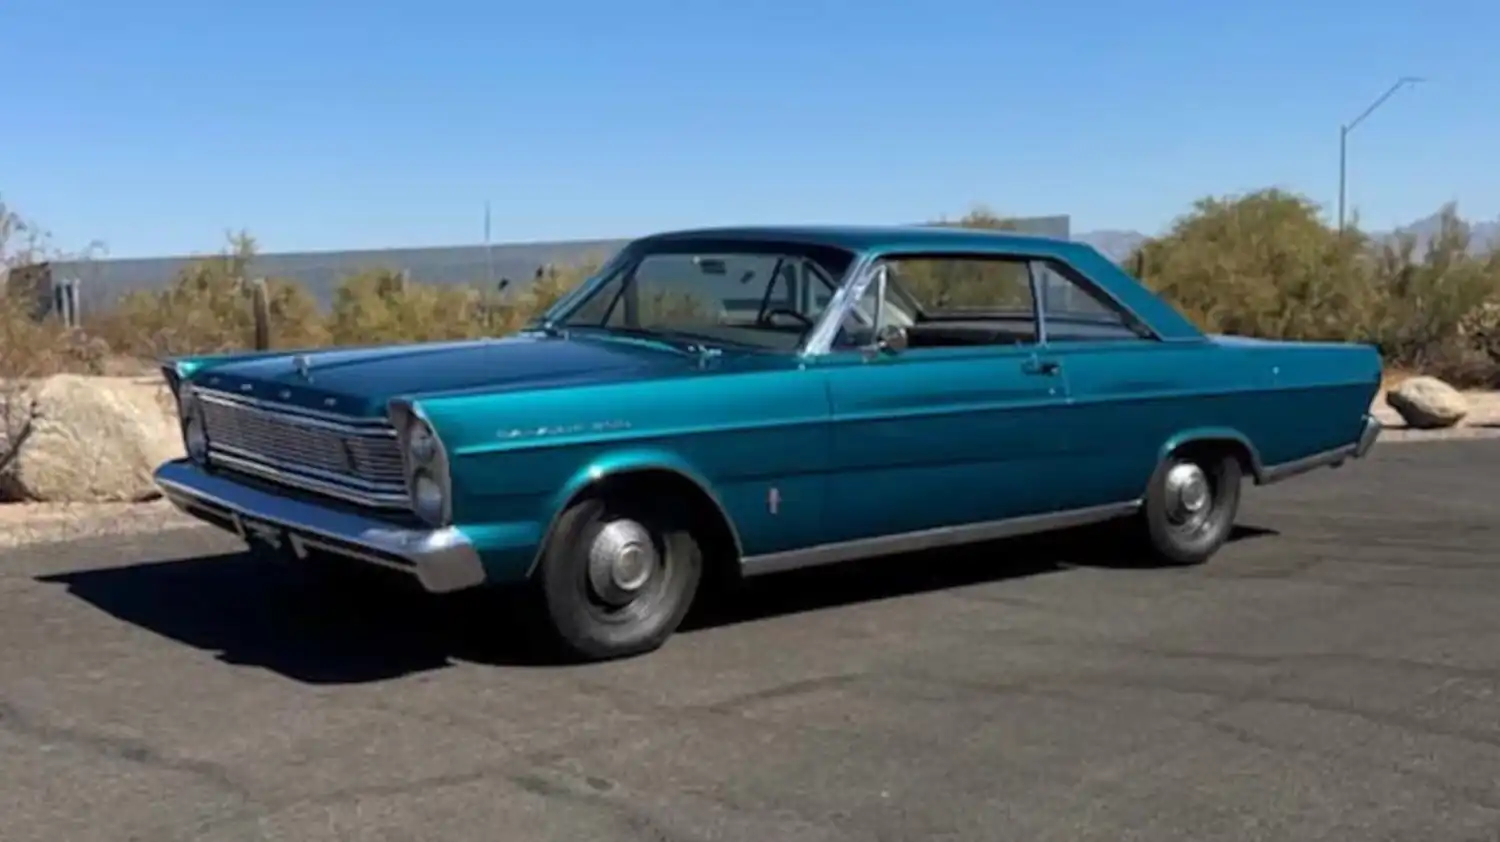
{"x":85,"y":439}
{"x":1427,"y":403}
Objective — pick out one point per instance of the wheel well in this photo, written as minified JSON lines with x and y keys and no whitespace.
{"x":1218,"y":446}
{"x":709,"y":523}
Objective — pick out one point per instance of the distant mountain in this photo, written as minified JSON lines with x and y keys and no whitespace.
{"x":1117,"y":245}
{"x":1482,"y":234}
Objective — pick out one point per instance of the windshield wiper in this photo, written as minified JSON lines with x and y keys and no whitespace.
{"x":546,"y":327}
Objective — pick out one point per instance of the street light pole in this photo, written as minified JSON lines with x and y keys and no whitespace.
{"x":1348,"y":127}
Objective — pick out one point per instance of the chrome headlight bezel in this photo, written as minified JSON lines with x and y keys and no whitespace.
{"x":428,"y":487}
{"x":191,"y":422}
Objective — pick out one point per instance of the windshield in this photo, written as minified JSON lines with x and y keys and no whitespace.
{"x":758,"y":295}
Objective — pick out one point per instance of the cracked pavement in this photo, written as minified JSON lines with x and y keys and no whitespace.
{"x":1333,"y":674}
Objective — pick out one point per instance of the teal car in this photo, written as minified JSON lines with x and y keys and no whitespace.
{"x":738,"y":401}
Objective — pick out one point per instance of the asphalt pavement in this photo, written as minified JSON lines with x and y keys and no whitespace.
{"x":1333,"y":674}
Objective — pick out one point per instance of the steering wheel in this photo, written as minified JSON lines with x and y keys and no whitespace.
{"x":783,"y":311}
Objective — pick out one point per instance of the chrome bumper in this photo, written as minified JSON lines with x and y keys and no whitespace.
{"x":443,"y":560}
{"x":1368,"y":436}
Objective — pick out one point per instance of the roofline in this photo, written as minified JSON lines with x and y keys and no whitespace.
{"x":868,"y":238}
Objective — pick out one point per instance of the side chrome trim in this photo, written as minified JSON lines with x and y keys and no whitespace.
{"x":927,"y":539}
{"x":1326,"y":459}
{"x":442,"y":560}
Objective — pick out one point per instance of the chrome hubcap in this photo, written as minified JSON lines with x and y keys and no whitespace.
{"x":1188,"y":494}
{"x":622,"y":560}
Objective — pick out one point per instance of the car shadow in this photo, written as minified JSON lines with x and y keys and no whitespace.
{"x":908,"y":574}
{"x":367,"y":625}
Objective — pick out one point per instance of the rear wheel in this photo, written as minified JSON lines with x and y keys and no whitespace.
{"x":1191,"y":505}
{"x":619,"y":575}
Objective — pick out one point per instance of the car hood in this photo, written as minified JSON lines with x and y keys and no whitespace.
{"x":360,"y":381}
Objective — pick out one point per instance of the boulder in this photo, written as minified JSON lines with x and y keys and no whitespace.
{"x":1427,"y":403}
{"x":77,"y":439}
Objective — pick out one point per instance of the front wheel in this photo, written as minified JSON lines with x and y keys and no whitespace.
{"x":1191,"y":505}
{"x":618,"y":576}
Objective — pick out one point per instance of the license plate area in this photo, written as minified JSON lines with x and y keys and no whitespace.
{"x":260,"y":531}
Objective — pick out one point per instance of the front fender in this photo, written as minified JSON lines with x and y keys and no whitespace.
{"x":617,"y":463}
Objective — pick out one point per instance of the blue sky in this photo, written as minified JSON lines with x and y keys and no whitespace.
{"x":156,"y":128}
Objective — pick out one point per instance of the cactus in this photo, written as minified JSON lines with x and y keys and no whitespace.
{"x":260,"y":302}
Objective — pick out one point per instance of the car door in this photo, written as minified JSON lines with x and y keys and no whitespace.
{"x":1125,"y":388}
{"x":931,"y":437}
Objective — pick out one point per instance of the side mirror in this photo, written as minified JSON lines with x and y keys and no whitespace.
{"x":891,"y":339}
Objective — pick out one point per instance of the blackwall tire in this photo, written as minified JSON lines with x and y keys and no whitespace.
{"x":1183,"y":523}
{"x":618,"y":577}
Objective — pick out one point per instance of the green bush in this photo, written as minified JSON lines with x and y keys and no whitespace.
{"x":1265,"y":265}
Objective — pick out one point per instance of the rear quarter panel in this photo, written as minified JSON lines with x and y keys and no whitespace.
{"x":1318,"y":396}
{"x":1131,"y":402}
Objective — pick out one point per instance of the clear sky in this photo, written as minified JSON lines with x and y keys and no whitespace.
{"x":326,"y":124}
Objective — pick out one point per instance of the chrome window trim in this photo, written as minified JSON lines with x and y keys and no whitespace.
{"x":564,"y":306}
{"x":856,"y":280}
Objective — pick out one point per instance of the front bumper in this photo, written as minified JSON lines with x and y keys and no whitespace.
{"x":443,"y":560}
{"x":1368,"y":436}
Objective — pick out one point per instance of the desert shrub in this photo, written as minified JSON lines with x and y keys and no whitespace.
{"x":208,"y":309}
{"x":1266,"y":265}
{"x":1262,"y":265}
{"x":380,"y":306}
{"x":1424,"y":301}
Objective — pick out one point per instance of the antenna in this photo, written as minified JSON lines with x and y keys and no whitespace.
{"x":489,"y":257}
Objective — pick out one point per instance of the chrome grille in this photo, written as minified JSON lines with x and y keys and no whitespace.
{"x":358,"y":462}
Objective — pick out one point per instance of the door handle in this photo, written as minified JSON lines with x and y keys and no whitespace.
{"x":1046,"y":368}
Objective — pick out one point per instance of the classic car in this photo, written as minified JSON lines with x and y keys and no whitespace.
{"x":738,"y":401}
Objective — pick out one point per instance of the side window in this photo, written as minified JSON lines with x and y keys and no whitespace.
{"x":956,"y":300}
{"x":950,"y":285}
{"x":1075,"y":311}
{"x":968,"y":299}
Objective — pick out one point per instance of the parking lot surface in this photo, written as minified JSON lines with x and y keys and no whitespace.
{"x":1333,"y":674}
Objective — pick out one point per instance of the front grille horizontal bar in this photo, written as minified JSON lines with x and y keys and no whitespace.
{"x":360,"y":462}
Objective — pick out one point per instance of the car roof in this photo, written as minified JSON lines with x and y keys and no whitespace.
{"x":877,"y":238}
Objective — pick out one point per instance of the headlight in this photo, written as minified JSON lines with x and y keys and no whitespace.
{"x":428,"y":500}
{"x":426,"y":472}
{"x":420,"y":445}
{"x":194,"y":434}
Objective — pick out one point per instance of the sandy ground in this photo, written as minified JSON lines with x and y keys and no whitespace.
{"x":36,"y":523}
{"x":24,"y":524}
